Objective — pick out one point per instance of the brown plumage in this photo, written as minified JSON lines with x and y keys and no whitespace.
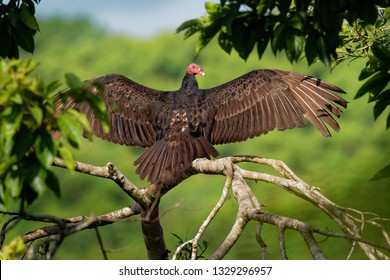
{"x":180,"y":126}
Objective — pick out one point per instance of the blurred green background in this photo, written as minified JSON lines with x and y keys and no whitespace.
{"x":341,"y":165}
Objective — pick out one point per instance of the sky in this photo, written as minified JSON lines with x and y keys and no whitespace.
{"x":136,"y":18}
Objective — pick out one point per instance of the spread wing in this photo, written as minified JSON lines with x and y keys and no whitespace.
{"x":265,"y":100}
{"x":132,"y":108}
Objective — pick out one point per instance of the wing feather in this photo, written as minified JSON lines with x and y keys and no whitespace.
{"x":132,"y":108}
{"x":265,"y":100}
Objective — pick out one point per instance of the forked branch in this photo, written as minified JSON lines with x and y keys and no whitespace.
{"x":249,"y":209}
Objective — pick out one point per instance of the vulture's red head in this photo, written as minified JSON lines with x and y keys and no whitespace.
{"x":194,"y":69}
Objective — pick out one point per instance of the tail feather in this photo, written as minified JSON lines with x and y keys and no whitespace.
{"x":146,"y":159}
{"x":165,"y":162}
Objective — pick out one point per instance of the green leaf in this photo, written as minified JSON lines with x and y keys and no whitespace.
{"x":262,"y":6}
{"x":294,"y":44}
{"x":262,"y":43}
{"x":382,"y":174}
{"x":13,"y":182}
{"x":15,"y":249}
{"x":37,"y":114}
{"x":371,"y":35}
{"x":207,"y":35}
{"x":311,"y":49}
{"x":225,"y":42}
{"x":191,"y":26}
{"x":367,"y":12}
{"x":387,"y":13}
{"x":52,"y":183}
{"x":38,"y":181}
{"x":82,"y":118}
{"x":243,"y":37}
{"x":178,"y":237}
{"x":373,"y":65}
{"x":23,"y":142}
{"x":212,"y":7}
{"x":73,"y":81}
{"x":6,"y":39}
{"x":323,"y":51}
{"x":382,"y":102}
{"x":97,"y":104}
{"x":67,"y":156}
{"x":388,"y":122}
{"x":28,"y":19}
{"x":41,"y":179}
{"x":11,"y":120}
{"x":52,"y":87}
{"x":25,"y":38}
{"x":279,"y":38}
{"x":6,"y":163}
{"x":365,"y":73}
{"x":44,"y":149}
{"x":13,"y":17}
{"x":374,"y":85}
{"x":100,"y":110}
{"x":381,"y":51}
{"x":296,"y":22}
{"x":70,"y":128}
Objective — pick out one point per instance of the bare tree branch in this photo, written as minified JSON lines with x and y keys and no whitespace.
{"x":293,"y":184}
{"x":110,"y":172}
{"x":69,"y":224}
{"x":229,"y":177}
{"x":147,"y":198}
{"x":351,"y":221}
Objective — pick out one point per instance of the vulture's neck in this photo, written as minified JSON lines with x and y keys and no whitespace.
{"x":189,"y":84}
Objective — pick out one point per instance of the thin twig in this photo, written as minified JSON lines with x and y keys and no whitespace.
{"x":213,"y":213}
{"x":6,"y":227}
{"x":100,"y":240}
{"x":101,"y":220}
{"x":261,"y":242}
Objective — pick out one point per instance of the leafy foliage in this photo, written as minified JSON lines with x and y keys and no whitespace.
{"x":28,"y":118}
{"x":185,"y":253}
{"x":314,"y":29}
{"x":14,"y":250}
{"x":17,"y":27}
{"x":378,"y":71}
{"x":373,"y":43}
{"x":310,"y":27}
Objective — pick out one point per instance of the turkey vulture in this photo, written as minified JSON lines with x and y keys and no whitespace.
{"x":180,"y":126}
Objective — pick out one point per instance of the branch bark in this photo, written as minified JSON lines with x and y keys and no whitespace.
{"x":153,"y":233}
{"x":249,"y":208}
{"x":147,"y":199}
